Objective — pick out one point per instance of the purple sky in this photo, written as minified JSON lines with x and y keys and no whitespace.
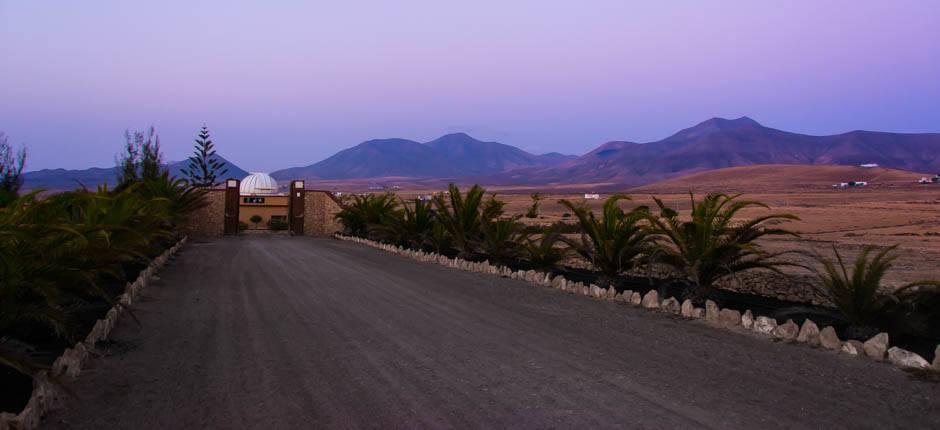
{"x":285,"y":83}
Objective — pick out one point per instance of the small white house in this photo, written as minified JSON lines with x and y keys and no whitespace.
{"x":591,"y":196}
{"x":869,"y":165}
{"x":850,"y":184}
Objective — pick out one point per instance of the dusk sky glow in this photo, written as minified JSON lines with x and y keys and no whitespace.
{"x":288,"y":83}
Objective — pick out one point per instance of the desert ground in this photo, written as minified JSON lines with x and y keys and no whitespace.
{"x":891,"y":210}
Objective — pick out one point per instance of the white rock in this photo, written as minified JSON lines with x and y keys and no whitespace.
{"x":747,"y":320}
{"x":852,"y":347}
{"x":611,"y":293}
{"x":809,"y":333}
{"x":670,"y":305}
{"x":635,"y":298}
{"x":765,"y":325}
{"x":651,"y":300}
{"x":729,"y":317}
{"x":877,"y":346}
{"x":596,"y":291}
{"x":711,"y":311}
{"x":906,"y":359}
{"x":787,"y":331}
{"x":698,"y":313}
{"x":936,"y":359}
{"x":627,"y":295}
{"x":686,"y":308}
{"x":829,"y":339}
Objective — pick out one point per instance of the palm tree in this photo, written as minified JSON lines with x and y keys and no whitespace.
{"x":181,"y":198}
{"x":55,"y":252}
{"x":462,"y":216}
{"x":366,"y":212}
{"x":502,"y":239}
{"x":859,"y":296}
{"x":439,"y":238}
{"x":710,"y":245}
{"x":615,"y":242}
{"x":542,"y":253}
{"x":411,"y":226}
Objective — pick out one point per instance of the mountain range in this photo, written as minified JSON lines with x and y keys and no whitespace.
{"x":713,"y":144}
{"x":63,"y":179}
{"x":449,"y":156}
{"x":718,"y":143}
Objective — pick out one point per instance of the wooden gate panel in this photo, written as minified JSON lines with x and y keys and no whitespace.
{"x":231,"y":206}
{"x":295,"y":208}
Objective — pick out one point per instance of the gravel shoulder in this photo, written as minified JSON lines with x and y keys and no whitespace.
{"x":281,"y":332}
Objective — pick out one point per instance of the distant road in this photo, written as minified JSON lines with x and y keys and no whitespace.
{"x":280,"y":332}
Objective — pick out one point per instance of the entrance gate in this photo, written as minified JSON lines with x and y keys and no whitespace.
{"x":230,"y":225}
{"x":295,"y":208}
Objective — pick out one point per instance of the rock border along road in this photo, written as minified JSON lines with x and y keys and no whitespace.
{"x":282,"y":332}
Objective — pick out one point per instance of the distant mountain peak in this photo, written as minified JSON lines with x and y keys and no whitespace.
{"x":454,"y":138}
{"x":459,"y":134}
{"x":724,"y":123}
{"x":717,"y":125}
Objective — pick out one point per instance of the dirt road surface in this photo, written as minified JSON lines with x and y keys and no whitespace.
{"x":280,"y":332}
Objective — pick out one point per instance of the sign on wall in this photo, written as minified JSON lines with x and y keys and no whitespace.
{"x":253,"y":200}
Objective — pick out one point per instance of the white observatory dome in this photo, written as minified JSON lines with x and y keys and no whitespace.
{"x":258,"y":183}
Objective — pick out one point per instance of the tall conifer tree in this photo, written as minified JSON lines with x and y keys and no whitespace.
{"x":205,"y":168}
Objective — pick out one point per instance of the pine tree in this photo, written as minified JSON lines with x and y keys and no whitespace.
{"x":205,"y":168}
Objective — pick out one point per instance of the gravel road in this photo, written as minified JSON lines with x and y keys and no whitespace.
{"x":280,"y":332}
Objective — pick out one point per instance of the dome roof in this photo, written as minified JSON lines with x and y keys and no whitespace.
{"x":258,"y":183}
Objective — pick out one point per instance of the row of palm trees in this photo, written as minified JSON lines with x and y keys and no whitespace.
{"x":58,"y":252}
{"x":701,"y":249}
{"x":705,"y":249}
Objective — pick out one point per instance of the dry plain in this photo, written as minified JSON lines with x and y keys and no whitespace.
{"x":891,"y":210}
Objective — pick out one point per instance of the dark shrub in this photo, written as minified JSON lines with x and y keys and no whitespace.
{"x":277,"y":224}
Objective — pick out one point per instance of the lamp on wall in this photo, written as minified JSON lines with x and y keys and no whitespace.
{"x":231,"y":183}
{"x":299,"y":185}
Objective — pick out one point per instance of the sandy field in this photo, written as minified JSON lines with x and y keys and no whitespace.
{"x":891,"y":210}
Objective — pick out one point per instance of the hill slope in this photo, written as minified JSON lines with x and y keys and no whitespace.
{"x":719,"y":143}
{"x":449,"y":156}
{"x":63,"y":179}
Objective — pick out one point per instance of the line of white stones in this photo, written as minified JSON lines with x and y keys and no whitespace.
{"x":46,"y":394}
{"x":876,"y":348}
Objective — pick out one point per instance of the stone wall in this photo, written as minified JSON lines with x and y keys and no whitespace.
{"x":319,"y":210}
{"x":208,"y":220}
